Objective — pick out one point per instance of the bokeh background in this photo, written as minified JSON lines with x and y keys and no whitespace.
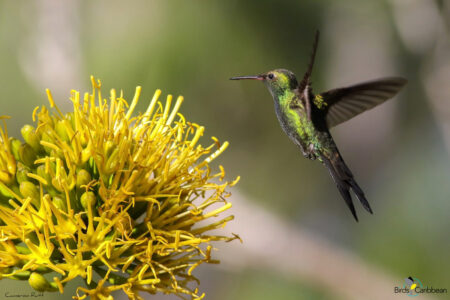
{"x":300,"y":241}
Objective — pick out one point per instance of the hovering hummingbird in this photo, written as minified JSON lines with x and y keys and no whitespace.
{"x":306,"y":118}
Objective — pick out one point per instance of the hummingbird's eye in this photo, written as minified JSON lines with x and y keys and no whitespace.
{"x":270,"y":76}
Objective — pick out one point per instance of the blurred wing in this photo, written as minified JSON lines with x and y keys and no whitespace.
{"x":345,"y":103}
{"x":305,"y":83}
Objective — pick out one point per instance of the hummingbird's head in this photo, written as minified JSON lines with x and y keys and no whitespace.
{"x":277,"y":81}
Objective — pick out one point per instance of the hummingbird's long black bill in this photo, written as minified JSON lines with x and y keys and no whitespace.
{"x":257,"y":77}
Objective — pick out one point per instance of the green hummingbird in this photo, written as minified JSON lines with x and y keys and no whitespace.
{"x":307,"y":117}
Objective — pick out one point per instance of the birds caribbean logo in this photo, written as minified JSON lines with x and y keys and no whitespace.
{"x":409,"y":282}
{"x":306,"y":118}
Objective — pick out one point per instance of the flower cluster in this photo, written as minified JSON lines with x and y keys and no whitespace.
{"x":116,"y":199}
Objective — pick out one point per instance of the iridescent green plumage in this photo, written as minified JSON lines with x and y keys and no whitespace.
{"x":306,"y":118}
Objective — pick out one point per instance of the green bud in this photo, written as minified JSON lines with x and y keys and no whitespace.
{"x":41,"y":172}
{"x":47,"y":138}
{"x":22,"y":275}
{"x":88,"y":198}
{"x":15,"y":145}
{"x":28,"y":189}
{"x":57,"y":154}
{"x":49,"y":188}
{"x":27,"y":154}
{"x":83,"y":178}
{"x":38,"y":282}
{"x":6,"y":177}
{"x":48,"y":120}
{"x":5,"y":191}
{"x":60,"y":203}
{"x":61,"y":131}
{"x":30,"y":136}
{"x":22,"y":171}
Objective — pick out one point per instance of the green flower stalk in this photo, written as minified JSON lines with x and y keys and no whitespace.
{"x":98,"y":191}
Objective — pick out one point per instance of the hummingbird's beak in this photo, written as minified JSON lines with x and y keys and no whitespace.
{"x":257,"y":77}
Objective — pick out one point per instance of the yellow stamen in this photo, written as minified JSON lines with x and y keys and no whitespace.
{"x":52,"y":103}
{"x":34,"y":113}
{"x":134,"y":102}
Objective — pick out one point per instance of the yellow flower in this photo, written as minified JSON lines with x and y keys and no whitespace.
{"x":99,"y":190}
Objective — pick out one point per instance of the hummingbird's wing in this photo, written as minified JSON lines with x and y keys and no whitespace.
{"x":345,"y":103}
{"x":306,"y":81}
{"x":304,"y":87}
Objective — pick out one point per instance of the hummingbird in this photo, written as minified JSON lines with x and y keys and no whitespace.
{"x":307,"y":117}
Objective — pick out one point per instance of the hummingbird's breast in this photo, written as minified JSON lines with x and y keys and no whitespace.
{"x":295,"y":124}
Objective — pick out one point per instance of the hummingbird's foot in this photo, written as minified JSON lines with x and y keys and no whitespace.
{"x":309,"y":155}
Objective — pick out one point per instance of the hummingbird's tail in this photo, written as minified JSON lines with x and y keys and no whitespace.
{"x":344,"y":180}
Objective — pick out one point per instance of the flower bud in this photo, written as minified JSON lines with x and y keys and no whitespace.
{"x":4,"y":191}
{"x":59,"y":203}
{"x":45,"y":117}
{"x":11,"y":164}
{"x":41,"y":172}
{"x":30,"y":136}
{"x":27,"y":154}
{"x":28,"y":189}
{"x":113,"y":161}
{"x":15,"y":145}
{"x":125,"y":224}
{"x":47,"y":138}
{"x":22,"y":275}
{"x":83,"y":178}
{"x":88,"y":198}
{"x":61,"y":131}
{"x":6,"y":177}
{"x":38,"y":282}
{"x":22,"y":171}
{"x":57,"y":154}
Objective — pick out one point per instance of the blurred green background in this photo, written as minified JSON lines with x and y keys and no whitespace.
{"x":398,"y":152}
